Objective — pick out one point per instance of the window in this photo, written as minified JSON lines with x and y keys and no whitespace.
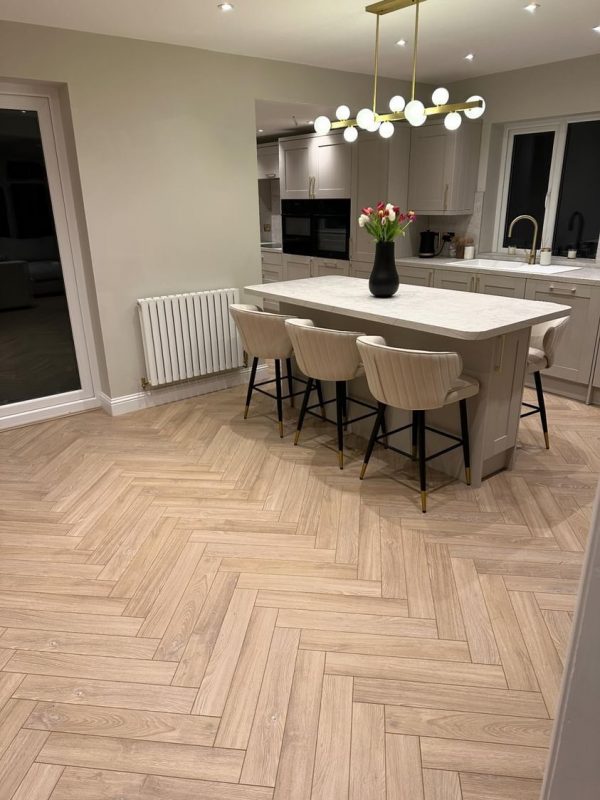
{"x":552,"y":173}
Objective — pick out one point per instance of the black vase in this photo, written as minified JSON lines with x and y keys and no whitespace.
{"x":384,"y":281}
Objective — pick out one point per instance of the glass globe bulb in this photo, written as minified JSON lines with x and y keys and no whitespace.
{"x":440,"y":97}
{"x":373,"y":126}
{"x":397,"y":104}
{"x":415,"y":113}
{"x":322,"y":124}
{"x":452,"y":120}
{"x":386,"y":129}
{"x":350,"y":134}
{"x":342,"y":113}
{"x":364,"y":118}
{"x":475,"y":113}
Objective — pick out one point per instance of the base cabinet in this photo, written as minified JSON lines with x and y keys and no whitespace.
{"x":415,"y":276}
{"x":296,"y":267}
{"x":328,"y":266}
{"x":502,"y":285}
{"x":575,"y":351}
{"x":455,"y":281}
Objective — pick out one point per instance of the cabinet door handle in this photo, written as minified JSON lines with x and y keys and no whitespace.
{"x":446,"y":197}
{"x":573,"y":290}
{"x":430,"y":279}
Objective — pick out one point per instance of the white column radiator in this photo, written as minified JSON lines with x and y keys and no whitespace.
{"x":189,"y":335}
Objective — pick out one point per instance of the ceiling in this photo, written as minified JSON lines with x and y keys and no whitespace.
{"x":338,"y":34}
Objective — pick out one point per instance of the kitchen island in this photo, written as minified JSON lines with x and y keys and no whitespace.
{"x":491,"y":334}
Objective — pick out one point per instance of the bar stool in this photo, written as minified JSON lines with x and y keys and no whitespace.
{"x":264,"y":336}
{"x":417,"y":381}
{"x":542,"y":351}
{"x":327,"y":355}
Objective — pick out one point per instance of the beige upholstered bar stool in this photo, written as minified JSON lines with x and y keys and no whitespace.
{"x":417,"y":381}
{"x":327,"y":355}
{"x":542,"y":352}
{"x":264,"y":336}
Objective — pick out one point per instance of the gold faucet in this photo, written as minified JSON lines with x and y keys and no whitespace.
{"x":532,"y":252}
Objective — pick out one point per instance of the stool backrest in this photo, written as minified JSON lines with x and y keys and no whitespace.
{"x":414,"y":380}
{"x":322,"y":353}
{"x":263,"y":334}
{"x":547,"y":335}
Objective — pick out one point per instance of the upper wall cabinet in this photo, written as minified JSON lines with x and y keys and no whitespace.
{"x":315,"y":167}
{"x":268,"y":160}
{"x":379,"y":172}
{"x":443,"y":168}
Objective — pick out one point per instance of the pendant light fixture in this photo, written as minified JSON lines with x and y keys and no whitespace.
{"x":414,"y":112}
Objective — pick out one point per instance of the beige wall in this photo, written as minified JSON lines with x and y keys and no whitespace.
{"x":165,"y":140}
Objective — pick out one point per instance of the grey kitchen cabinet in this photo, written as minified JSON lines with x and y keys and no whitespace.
{"x":379,"y":173}
{"x":328,"y":266}
{"x":267,"y":156}
{"x":331,"y":166}
{"x":415,"y":276}
{"x":443,"y":168}
{"x":296,"y":267}
{"x":272,"y":271}
{"x":360,"y":269}
{"x":294,"y":168}
{"x":313,"y":167}
{"x":455,"y":280}
{"x":575,"y":352}
{"x":503,"y":285}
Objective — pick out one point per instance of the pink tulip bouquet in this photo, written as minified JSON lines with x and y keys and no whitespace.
{"x":385,"y":222}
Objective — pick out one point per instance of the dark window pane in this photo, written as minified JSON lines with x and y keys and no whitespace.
{"x":37,"y":353}
{"x":529,"y":176}
{"x":578,"y":214}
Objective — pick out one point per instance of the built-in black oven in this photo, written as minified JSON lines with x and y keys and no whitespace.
{"x":316,"y":228}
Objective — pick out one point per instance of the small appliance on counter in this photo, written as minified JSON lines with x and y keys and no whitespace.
{"x":430,"y":245}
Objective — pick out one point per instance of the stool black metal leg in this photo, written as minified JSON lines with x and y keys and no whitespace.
{"x":379,"y":422}
{"x":542,"y":404}
{"x":345,"y":403}
{"x":422,"y":461}
{"x":320,"y":396}
{"x":279,"y":395}
{"x":340,"y":387}
{"x":250,"y":386}
{"x":384,"y":427}
{"x":305,"y":399}
{"x":415,"y":431}
{"x":290,"y":380}
{"x":464,"y":426}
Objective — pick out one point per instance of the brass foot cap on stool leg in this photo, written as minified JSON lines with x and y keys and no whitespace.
{"x":296,"y":437}
{"x":281,"y":430}
{"x":341,"y":458}
{"x":246,"y":412}
{"x":362,"y":471}
{"x":423,"y":502}
{"x":468,"y":475}
{"x":547,"y":438}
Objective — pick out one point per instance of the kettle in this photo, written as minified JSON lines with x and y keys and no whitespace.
{"x":428,"y":247}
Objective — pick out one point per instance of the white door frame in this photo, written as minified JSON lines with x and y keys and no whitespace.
{"x":45,"y":100}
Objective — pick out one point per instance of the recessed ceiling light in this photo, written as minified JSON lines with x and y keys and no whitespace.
{"x":310,"y":122}
{"x":470,"y":56}
{"x":225,"y":6}
{"x":597,"y":29}
{"x":401,"y":42}
{"x":532,"y":7}
{"x":260,"y":130}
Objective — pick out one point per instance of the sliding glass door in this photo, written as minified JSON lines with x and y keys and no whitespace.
{"x":44,"y":361}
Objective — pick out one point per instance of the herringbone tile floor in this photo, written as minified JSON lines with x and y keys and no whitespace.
{"x":194,"y":608}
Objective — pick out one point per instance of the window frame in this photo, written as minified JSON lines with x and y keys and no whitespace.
{"x":559,"y":126}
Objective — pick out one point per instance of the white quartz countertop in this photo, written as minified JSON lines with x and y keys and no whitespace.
{"x":460,"y":315}
{"x":558,"y":272}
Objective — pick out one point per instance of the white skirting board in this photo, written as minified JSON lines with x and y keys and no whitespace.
{"x":115,"y":406}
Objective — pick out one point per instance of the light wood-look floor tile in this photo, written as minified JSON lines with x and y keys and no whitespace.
{"x":192,"y":608}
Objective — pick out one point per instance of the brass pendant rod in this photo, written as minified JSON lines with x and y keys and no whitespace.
{"x":376,"y":68}
{"x":414,"y":74}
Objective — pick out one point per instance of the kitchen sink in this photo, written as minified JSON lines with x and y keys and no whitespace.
{"x":514,"y":266}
